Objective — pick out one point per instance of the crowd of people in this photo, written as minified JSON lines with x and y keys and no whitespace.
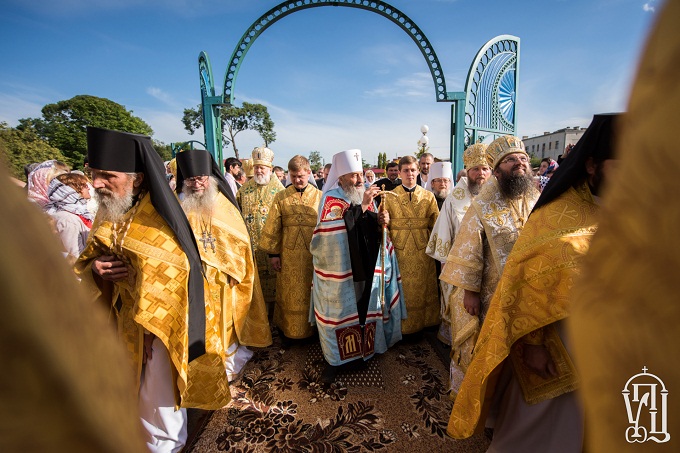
{"x":194,"y":266}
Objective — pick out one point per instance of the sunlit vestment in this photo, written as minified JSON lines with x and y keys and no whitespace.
{"x":65,"y":383}
{"x":533,"y":295}
{"x":231,"y":281}
{"x":625,"y":313}
{"x":288,"y":232}
{"x":488,"y":231}
{"x":412,"y":216}
{"x":255,"y":201}
{"x":443,"y":234}
{"x":154,"y":297}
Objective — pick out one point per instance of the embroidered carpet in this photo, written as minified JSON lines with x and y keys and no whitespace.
{"x":398,"y":403}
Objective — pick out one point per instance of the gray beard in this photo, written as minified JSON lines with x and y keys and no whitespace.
{"x":201,"y":204}
{"x":514,"y":186}
{"x":112,"y":207}
{"x":262,"y":180}
{"x":355,"y":194}
{"x":474,"y":188}
{"x":442,"y":194}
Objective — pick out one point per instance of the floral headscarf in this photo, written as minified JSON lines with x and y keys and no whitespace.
{"x":64,"y":198}
{"x":39,"y":179}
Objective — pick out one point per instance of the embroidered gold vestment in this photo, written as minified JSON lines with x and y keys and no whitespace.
{"x":255,"y":201}
{"x":154,"y":297}
{"x":412,"y":217}
{"x":533,"y":293}
{"x":443,"y":234}
{"x":487,"y":234}
{"x":231,"y":277}
{"x":288,"y":232}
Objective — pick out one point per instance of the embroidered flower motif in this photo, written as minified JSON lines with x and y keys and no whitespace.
{"x":337,"y":391}
{"x":259,"y":430}
{"x":411,"y":430}
{"x":284,"y":412}
{"x":290,"y":438}
{"x":408,"y":379}
{"x":283,"y":384}
{"x":231,"y":435}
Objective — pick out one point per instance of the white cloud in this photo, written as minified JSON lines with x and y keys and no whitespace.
{"x":162,"y":96}
{"x":649,"y":6}
{"x":419,"y":84}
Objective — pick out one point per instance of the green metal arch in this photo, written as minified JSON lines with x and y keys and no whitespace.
{"x":288,"y":7}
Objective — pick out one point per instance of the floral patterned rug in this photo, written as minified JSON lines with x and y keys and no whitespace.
{"x":397,"y":403}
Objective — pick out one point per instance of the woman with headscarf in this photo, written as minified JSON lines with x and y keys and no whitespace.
{"x":40,"y":177}
{"x":68,"y":194}
{"x":545,"y":171}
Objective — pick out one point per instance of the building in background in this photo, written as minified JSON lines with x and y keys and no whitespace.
{"x":552,"y":144}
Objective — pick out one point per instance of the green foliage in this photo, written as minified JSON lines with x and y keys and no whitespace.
{"x":235,"y":120}
{"x":19,"y":148}
{"x":64,"y":124}
{"x":535,"y":161}
{"x":315,"y":161}
{"x":382,"y":160}
{"x":163,"y":150}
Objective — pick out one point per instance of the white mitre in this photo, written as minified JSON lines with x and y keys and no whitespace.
{"x":343,"y":163}
{"x":440,"y":170}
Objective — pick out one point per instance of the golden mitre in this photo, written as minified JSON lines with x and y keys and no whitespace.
{"x":475,"y":155}
{"x":502,"y":146}
{"x":247,"y":167}
{"x":263,"y":156}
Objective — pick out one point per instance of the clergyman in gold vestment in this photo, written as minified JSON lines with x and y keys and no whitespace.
{"x":413,"y":213}
{"x":141,"y":261}
{"x":230,"y":275}
{"x":286,"y":238}
{"x":625,"y":311}
{"x":487,"y":233}
{"x":255,"y":199}
{"x":534,"y":389}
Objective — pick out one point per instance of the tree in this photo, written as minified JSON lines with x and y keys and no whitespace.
{"x":249,"y":116}
{"x":315,"y":161}
{"x":20,"y":148}
{"x":64,"y":124}
{"x":163,"y":150}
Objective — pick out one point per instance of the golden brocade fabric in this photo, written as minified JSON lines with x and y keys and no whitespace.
{"x":625,"y":313}
{"x":230,"y":277}
{"x":288,"y":233}
{"x":65,"y":383}
{"x":443,"y":234}
{"x":154,"y":297}
{"x":255,"y":202}
{"x":533,"y":293}
{"x":412,"y":217}
{"x":487,"y":233}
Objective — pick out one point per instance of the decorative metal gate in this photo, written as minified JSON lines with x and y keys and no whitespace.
{"x":468,"y":115}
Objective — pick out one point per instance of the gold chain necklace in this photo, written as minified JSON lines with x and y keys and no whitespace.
{"x":206,"y":233}
{"x":119,"y":230}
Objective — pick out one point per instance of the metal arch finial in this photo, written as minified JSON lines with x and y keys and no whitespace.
{"x":290,"y":6}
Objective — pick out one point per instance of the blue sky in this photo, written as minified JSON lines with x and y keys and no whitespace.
{"x":333,"y":78}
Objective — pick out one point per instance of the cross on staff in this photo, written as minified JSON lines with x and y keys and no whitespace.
{"x":206,"y":238}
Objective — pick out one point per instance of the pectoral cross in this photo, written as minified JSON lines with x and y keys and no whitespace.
{"x":206,"y":238}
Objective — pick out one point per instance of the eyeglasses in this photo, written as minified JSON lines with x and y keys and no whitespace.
{"x":196,"y":180}
{"x":514,"y":160}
